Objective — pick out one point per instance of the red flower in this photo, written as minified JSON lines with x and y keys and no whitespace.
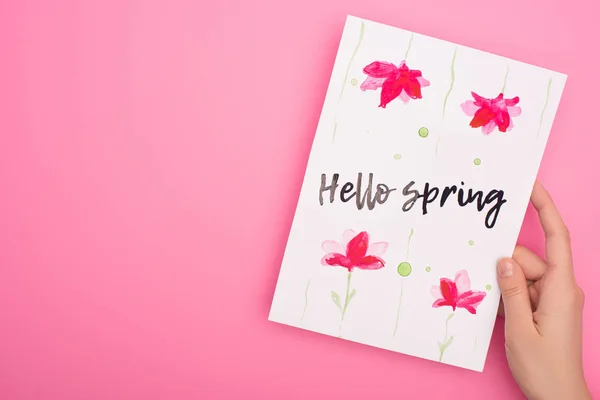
{"x":354,"y":252}
{"x":393,"y":81}
{"x":457,"y":293}
{"x":491,"y":113}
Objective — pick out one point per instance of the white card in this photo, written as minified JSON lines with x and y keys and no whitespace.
{"x":419,"y":176}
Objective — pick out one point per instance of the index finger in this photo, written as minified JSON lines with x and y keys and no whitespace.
{"x":558,"y":243}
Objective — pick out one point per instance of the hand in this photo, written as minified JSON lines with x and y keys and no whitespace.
{"x":543,"y":319}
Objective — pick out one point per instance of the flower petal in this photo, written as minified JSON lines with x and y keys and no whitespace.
{"x":423,"y":82}
{"x":370,"y":263}
{"x":498,"y":99}
{"x":441,"y":303}
{"x":463,"y":283}
{"x":377,"y":249}
{"x":334,"y":259}
{"x":372,"y":83}
{"x":331,"y":246}
{"x":502,"y":120}
{"x":389,"y":91}
{"x":348,"y":235}
{"x":471,"y":301}
{"x":448,"y":290}
{"x":479,"y":100}
{"x":404,"y":97}
{"x":413,"y":88}
{"x":482,"y":116}
{"x":512,"y":102}
{"x":510,"y":126}
{"x":469,"y":108}
{"x":488,"y":128}
{"x":357,"y":247}
{"x":514,"y":111}
{"x":435,"y":292}
{"x":380,"y":69}
{"x":471,"y":298}
{"x":470,"y":309}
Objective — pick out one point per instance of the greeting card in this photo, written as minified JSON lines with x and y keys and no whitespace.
{"x":419,"y":176}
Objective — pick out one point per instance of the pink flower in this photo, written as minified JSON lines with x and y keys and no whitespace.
{"x":354,"y":252}
{"x":457,"y":293}
{"x":393,"y":81}
{"x":491,"y":113}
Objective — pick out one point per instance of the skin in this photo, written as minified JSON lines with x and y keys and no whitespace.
{"x":543,"y":307}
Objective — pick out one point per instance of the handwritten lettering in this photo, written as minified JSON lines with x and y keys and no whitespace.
{"x":369,"y":195}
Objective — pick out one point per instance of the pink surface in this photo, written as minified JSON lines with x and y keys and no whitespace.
{"x":151,"y":156}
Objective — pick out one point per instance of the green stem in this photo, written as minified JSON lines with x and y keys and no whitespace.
{"x":346,"y":300}
{"x":334,"y":131}
{"x":409,"y":44}
{"x":443,"y":349}
{"x":399,"y":305}
{"x":545,"y":105}
{"x":452,"y":77}
{"x":360,"y":38}
{"x":505,"y":78}
{"x":437,"y":144}
{"x":305,"y":299}
{"x":408,"y":244}
{"x":347,"y":294}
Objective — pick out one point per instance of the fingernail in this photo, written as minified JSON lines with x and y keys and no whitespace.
{"x":505,"y":268}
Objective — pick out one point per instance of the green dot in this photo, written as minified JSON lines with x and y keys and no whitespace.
{"x":428,"y":269}
{"x":471,"y":243}
{"x":477,"y":161}
{"x":488,"y":287}
{"x":404,"y":269}
{"x":397,"y":156}
{"x":423,"y":132}
{"x":353,"y":82}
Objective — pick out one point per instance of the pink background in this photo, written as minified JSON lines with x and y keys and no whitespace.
{"x":151,"y":156}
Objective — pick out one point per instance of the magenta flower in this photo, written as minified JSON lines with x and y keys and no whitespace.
{"x":354,"y":252}
{"x":394,"y":81}
{"x":491,"y":113}
{"x":457,"y":293}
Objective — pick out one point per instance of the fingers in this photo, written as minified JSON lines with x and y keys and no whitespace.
{"x":515,"y":296}
{"x":534,"y":298}
{"x":534,"y":294}
{"x":533,"y":266}
{"x":558,"y":245}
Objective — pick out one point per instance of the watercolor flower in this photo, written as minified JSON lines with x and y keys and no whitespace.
{"x":457,"y":293}
{"x":394,"y":81}
{"x":491,"y":113}
{"x":354,"y":252}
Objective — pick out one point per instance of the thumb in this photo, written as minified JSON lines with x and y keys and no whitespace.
{"x":515,"y":295}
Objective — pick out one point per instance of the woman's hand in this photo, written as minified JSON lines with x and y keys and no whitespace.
{"x":543,"y":318}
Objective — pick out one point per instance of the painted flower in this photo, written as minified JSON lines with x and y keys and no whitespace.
{"x":354,"y":252}
{"x":457,"y":293}
{"x":490,"y":113}
{"x":394,"y":81}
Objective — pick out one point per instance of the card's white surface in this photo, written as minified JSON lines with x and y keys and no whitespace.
{"x":355,"y":135}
